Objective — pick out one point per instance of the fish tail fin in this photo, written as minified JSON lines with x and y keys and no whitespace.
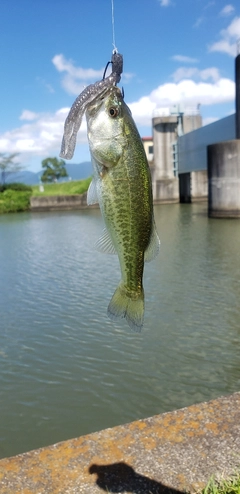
{"x":129,"y":306}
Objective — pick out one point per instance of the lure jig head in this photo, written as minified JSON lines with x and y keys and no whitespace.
{"x":117,"y":65}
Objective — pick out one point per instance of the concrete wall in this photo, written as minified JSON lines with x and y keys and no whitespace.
{"x":191,"y":122}
{"x":166,"y":130}
{"x":199,"y":186}
{"x":166,"y":191}
{"x":148,"y":145}
{"x":165,"y":185}
{"x":164,"y":135}
{"x":58,"y":203}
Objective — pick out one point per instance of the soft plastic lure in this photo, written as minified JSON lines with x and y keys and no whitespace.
{"x":88,"y":95}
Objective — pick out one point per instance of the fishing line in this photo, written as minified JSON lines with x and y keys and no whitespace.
{"x":113,"y":29}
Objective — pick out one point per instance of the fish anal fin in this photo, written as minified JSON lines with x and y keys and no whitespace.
{"x":104,"y":243}
{"x":154,"y":245}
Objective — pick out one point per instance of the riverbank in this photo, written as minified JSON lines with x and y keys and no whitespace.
{"x":59,"y":203}
{"x":48,"y":197}
{"x":170,"y":453}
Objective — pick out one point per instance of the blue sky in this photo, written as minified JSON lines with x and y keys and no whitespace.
{"x":174,"y":51}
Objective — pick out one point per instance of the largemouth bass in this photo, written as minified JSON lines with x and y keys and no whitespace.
{"x":122,"y":187}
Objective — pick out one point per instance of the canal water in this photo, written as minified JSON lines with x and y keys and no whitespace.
{"x":66,"y":369}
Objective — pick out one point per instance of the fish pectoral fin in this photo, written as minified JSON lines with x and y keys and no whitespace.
{"x":123,"y":305}
{"x":154,"y":245}
{"x":104,"y":243}
{"x":92,"y":196}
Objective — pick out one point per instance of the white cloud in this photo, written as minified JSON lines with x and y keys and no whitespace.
{"x":198,"y":22}
{"x":227,"y":10}
{"x":209,"y":120}
{"x":187,"y":91}
{"x":211,"y":73}
{"x":191,"y":92}
{"x":63,"y":65}
{"x":40,"y":137}
{"x":233,"y":29}
{"x":45,"y":84}
{"x":184,"y":72}
{"x":228,"y":42}
{"x":76,"y":78}
{"x":165,"y":3}
{"x":209,"y":4}
{"x":193,"y":72}
{"x":184,"y":59}
{"x":224,"y":46}
{"x":28,"y":115}
{"x":142,"y":110}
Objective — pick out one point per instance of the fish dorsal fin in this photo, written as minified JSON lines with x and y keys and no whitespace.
{"x":154,"y":245}
{"x":92,"y":196}
{"x":104,"y":243}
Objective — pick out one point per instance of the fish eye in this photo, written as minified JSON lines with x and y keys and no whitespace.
{"x":113,"y":112}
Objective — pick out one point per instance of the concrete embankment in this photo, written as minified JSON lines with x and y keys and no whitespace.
{"x":58,"y":203}
{"x":169,"y":453}
{"x":65,"y":203}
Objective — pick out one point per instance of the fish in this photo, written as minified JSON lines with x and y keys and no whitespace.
{"x":123,"y":188}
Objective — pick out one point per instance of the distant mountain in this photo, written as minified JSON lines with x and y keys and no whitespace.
{"x":25,"y":177}
{"x":75,"y":172}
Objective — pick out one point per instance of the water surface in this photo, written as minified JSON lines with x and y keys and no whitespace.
{"x":66,"y":369}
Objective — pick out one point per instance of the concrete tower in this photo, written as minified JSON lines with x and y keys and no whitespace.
{"x":166,"y":130}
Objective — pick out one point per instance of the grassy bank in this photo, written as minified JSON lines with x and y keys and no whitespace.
{"x":16,"y":197}
{"x":229,"y":486}
{"x":63,"y":188}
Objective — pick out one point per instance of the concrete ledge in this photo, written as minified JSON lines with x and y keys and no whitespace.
{"x":59,"y":203}
{"x":169,"y":453}
{"x":224,"y":214}
{"x":74,"y":202}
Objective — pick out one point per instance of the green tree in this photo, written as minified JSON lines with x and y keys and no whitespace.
{"x":54,"y":169}
{"x":8,"y":165}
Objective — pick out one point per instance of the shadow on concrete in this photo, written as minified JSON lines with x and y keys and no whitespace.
{"x":120,"y":477}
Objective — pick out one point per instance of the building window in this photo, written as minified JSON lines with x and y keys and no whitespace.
{"x":175,"y":159}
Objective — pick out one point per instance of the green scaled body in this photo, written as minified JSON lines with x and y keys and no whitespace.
{"x":122,"y":186}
